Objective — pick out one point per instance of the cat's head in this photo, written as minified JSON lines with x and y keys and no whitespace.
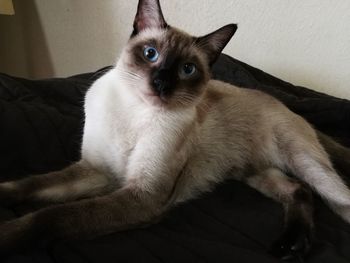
{"x":164,"y":66}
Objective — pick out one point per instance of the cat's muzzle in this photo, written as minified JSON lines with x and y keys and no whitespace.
{"x":162,"y":82}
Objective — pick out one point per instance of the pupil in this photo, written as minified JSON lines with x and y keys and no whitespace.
{"x":151,"y":53}
{"x":188,"y":68}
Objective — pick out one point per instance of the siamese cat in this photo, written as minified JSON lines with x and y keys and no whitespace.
{"x":158,"y":131}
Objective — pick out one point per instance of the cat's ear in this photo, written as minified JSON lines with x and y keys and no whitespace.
{"x":213,"y":43}
{"x":149,"y":15}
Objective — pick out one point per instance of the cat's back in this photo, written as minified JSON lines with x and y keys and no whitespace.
{"x":227,"y":102}
{"x":222,"y":92}
{"x":236,"y":118}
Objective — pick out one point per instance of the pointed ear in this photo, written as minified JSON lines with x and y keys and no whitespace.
{"x":149,"y":15}
{"x":213,"y":43}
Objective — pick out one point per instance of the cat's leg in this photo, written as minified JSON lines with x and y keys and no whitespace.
{"x":127,"y":207}
{"x":76,"y":181}
{"x":297,"y":202}
{"x":147,"y":191}
{"x":317,"y":171}
{"x":308,"y":161}
{"x":339,"y":154}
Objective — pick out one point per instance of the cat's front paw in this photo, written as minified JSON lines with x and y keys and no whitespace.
{"x":16,"y":235}
{"x":8,"y":194}
{"x":294,"y":244}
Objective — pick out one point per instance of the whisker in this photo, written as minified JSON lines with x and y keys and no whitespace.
{"x":129,"y":73}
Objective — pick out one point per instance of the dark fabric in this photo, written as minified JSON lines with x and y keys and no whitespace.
{"x":41,"y":127}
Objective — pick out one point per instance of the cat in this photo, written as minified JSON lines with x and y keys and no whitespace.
{"x":158,"y":131}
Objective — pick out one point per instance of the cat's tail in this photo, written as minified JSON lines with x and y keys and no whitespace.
{"x":339,"y":154}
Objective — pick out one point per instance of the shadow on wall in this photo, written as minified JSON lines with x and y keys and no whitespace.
{"x":23,"y":49}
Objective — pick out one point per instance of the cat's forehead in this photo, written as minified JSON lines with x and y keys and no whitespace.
{"x":166,"y":39}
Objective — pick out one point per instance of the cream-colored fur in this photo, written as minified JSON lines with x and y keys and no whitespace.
{"x":139,"y":142}
{"x":158,"y":132}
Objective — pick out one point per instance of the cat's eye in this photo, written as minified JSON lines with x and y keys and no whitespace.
{"x":187,"y":70}
{"x":151,"y":54}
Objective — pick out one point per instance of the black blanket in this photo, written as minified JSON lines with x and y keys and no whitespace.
{"x":41,"y":128}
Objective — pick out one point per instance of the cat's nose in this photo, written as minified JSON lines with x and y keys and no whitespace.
{"x":162,"y":80}
{"x":159,"y":85}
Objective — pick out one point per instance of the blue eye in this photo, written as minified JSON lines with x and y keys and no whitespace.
{"x":151,"y":54}
{"x":188,"y":69}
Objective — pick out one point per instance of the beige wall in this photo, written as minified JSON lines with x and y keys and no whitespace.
{"x":304,"y":42}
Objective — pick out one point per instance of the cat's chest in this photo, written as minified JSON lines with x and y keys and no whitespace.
{"x":125,"y":127}
{"x":112,"y":131}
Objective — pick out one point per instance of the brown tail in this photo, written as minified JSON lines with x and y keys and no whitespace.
{"x":339,"y":154}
